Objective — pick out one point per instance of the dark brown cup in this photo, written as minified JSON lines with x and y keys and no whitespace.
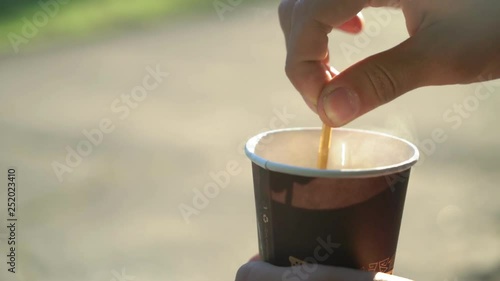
{"x":348,"y":215}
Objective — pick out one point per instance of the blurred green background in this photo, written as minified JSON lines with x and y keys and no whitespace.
{"x":56,"y":21}
{"x":118,"y":210}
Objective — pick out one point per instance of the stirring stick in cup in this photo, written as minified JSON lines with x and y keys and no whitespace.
{"x":324,"y":146}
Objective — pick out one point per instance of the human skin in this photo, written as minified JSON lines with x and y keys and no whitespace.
{"x":256,"y":270}
{"x":451,"y":42}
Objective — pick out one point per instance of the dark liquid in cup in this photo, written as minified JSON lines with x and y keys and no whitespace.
{"x":343,"y":222}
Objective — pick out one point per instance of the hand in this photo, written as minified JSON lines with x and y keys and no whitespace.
{"x":451,"y":42}
{"x":262,"y":271}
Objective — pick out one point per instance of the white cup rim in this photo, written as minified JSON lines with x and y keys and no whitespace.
{"x":329,"y":173}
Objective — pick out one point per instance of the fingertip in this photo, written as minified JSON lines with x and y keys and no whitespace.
{"x":312,"y":107}
{"x":361,"y":18}
{"x":257,"y":270}
{"x":243,"y":272}
{"x":354,"y":25}
{"x":309,"y":78}
{"x":255,"y":258}
{"x":333,"y":72}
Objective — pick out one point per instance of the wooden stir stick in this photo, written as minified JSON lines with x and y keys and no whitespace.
{"x":324,"y":146}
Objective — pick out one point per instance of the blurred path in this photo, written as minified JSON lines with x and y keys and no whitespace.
{"x":117,"y":212}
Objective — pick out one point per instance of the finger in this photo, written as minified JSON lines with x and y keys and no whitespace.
{"x":384,"y":3}
{"x":285,"y":11}
{"x":424,"y":59}
{"x":307,"y":42}
{"x":354,"y":25}
{"x":255,"y":258}
{"x":308,"y":24}
{"x":261,"y":271}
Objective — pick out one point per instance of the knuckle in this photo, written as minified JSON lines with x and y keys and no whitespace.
{"x":285,"y":8}
{"x":285,"y":11}
{"x":384,"y":85}
{"x":282,"y":8}
{"x":289,"y":71}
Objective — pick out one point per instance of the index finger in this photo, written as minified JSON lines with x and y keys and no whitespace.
{"x":307,"y":57}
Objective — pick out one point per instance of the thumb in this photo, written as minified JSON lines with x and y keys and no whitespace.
{"x":383,"y":77}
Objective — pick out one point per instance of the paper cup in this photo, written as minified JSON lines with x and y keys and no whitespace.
{"x":346,"y":215}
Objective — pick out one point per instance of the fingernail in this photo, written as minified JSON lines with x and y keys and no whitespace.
{"x":312,"y":107}
{"x":311,"y":104}
{"x":341,"y":106}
